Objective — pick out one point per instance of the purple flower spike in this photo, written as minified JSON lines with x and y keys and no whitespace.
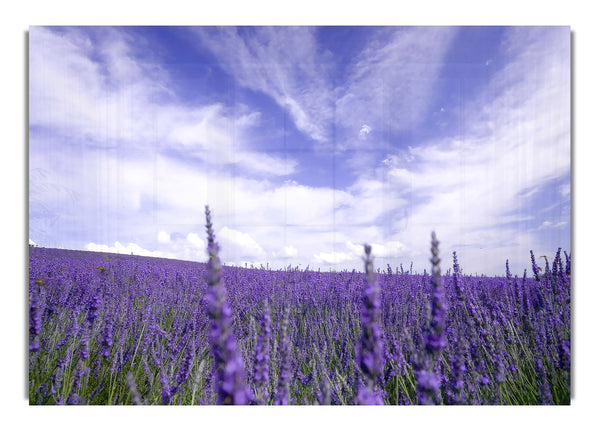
{"x":261,"y":366}
{"x":107,"y":338}
{"x":436,"y":339}
{"x":230,"y":376}
{"x":370,"y":356}
{"x":427,"y":380}
{"x":35,"y":318}
{"x":165,"y":392}
{"x":93,"y":309}
{"x":281,"y":393}
{"x":536,"y":269}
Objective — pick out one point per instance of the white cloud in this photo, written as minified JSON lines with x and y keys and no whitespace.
{"x":236,"y":245}
{"x":163,"y":237}
{"x":364,"y":131}
{"x":391,"y":83}
{"x":195,"y":240}
{"x":549,"y":225}
{"x":287,"y":252}
{"x":334,"y":257}
{"x":469,"y":188}
{"x":281,"y":62}
{"x":356,"y":253}
{"x":189,"y":247}
{"x":95,"y":93}
{"x":130,"y":248}
{"x":474,"y":191}
{"x":389,"y":249}
{"x":255,"y":162}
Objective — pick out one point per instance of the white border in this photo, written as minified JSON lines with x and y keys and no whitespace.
{"x":15,"y":22}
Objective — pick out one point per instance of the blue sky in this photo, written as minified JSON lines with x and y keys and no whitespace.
{"x":306,"y":142}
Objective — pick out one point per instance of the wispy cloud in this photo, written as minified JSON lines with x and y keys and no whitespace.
{"x":282,"y":62}
{"x":392,"y":81}
{"x":471,"y":187}
{"x":549,"y":225}
{"x":389,"y":86}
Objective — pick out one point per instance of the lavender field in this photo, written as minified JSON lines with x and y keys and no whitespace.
{"x":117,"y":329}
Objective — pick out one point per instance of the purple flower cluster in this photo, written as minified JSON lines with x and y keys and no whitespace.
{"x":261,"y":365}
{"x":107,"y":334}
{"x":35,"y":318}
{"x":229,"y":369}
{"x":93,"y":310}
{"x":281,"y":394}
{"x":428,"y":380}
{"x":370,"y":354}
{"x":534,"y":267}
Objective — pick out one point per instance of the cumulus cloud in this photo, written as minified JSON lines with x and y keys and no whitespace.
{"x":287,"y":252}
{"x":182,"y":246}
{"x":238,"y":245}
{"x":163,"y":237}
{"x":130,"y":248}
{"x":364,"y":131}
{"x":195,"y":240}
{"x":389,"y":249}
{"x":334,"y":257}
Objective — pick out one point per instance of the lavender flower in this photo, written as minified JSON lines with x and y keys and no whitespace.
{"x":456,"y":383}
{"x":281,"y":394}
{"x":428,"y":381}
{"x":456,"y":278}
{"x":166,"y":391}
{"x":436,"y":339}
{"x":107,"y":338}
{"x":567,"y":264}
{"x":84,"y":350}
{"x":544,"y":394}
{"x":536,"y":269}
{"x":261,"y":365}
{"x":136,"y":399}
{"x":93,"y":309}
{"x":428,"y":386}
{"x":564,"y":355}
{"x":186,"y":365}
{"x":557,"y":264}
{"x":35,"y":318}
{"x":324,"y":394}
{"x":75,"y":399}
{"x":370,"y":358}
{"x":229,"y":369}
